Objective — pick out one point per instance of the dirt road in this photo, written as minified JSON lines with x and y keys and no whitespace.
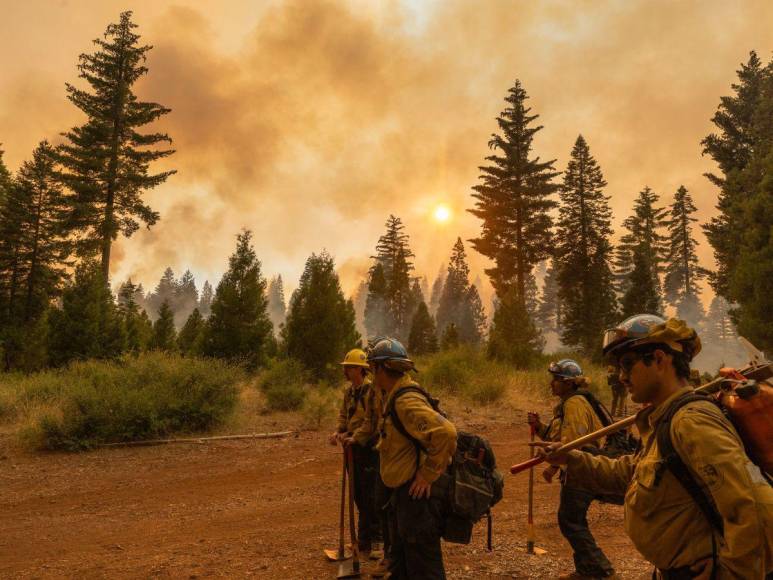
{"x":257,"y":508}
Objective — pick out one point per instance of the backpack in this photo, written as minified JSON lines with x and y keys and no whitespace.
{"x":616,"y":444}
{"x":475,"y":484}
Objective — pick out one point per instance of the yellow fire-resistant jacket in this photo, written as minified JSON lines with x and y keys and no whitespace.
{"x":352,"y":412}
{"x":578,"y":419}
{"x":367,"y":431}
{"x":435,"y":433}
{"x":663,"y":521}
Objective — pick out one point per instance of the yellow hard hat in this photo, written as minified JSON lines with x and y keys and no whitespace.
{"x":356,"y":358}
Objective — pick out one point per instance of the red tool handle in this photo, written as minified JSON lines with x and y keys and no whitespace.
{"x":519,"y":467}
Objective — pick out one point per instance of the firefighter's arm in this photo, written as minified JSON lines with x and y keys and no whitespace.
{"x":577,"y":420}
{"x":365,"y":431}
{"x":343,"y":414}
{"x":436,"y":434}
{"x":714,"y":453}
{"x":599,"y":474}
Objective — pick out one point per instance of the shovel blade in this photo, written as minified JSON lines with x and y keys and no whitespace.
{"x":337,"y":556}
{"x":349,"y":569}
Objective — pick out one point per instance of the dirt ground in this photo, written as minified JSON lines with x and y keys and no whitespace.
{"x":254,"y":508}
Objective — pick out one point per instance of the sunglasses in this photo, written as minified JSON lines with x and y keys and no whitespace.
{"x":629,"y":360}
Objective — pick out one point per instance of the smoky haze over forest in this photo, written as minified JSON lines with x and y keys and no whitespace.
{"x":310,"y":123}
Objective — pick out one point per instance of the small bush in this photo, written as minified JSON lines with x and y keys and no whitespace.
{"x":153,"y":395}
{"x":319,"y":407}
{"x":486,"y":389}
{"x":282,"y":373}
{"x":465,"y":371}
{"x":285,"y":397}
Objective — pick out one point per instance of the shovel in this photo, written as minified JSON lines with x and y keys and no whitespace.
{"x":341,"y":553}
{"x":530,"y":536}
{"x":351,"y":568}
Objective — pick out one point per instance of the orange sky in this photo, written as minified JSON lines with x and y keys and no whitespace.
{"x":310,"y":121}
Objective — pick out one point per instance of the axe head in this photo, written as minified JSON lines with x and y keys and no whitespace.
{"x":349,"y":569}
{"x":337,"y":555}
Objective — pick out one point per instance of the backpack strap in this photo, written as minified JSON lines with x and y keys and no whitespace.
{"x":674,"y":463}
{"x":598,"y":407}
{"x":398,"y":424}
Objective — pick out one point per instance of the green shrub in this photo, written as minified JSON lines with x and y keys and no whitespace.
{"x":283,"y":372}
{"x":153,"y":395}
{"x":486,"y":389}
{"x":319,"y":406}
{"x":285,"y":397}
{"x":449,"y":370}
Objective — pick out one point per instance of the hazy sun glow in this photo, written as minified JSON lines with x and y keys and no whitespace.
{"x":442,"y":213}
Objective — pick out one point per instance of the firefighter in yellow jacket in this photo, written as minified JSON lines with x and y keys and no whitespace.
{"x":356,"y":411}
{"x":573,"y":417}
{"x":414,"y":454}
{"x":695,"y":505}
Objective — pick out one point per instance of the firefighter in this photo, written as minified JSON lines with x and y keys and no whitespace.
{"x":414,"y":510}
{"x":573,"y":417}
{"x":695,"y":505}
{"x":355,"y":411}
{"x":619,"y":393}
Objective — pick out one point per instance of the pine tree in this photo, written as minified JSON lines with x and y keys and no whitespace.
{"x":423,"y":336}
{"x":139,"y":329}
{"x":360,"y":301}
{"x":186,"y":298}
{"x":238,"y":327}
{"x":460,"y":303}
{"x":513,"y":337}
{"x":276,"y":303}
{"x":189,"y":341}
{"x":106,"y":160}
{"x":740,"y":234}
{"x":164,"y":334}
{"x":450,"y":338}
{"x":320,"y":327}
{"x":682,"y":270}
{"x":514,"y":199}
{"x":88,"y":325}
{"x":644,"y":228}
{"x":583,"y":253}
{"x":549,"y":313}
{"x":437,"y":289}
{"x":205,"y":302}
{"x":376,"y":306}
{"x":165,"y":292}
{"x":719,"y":326}
{"x":643,"y":295}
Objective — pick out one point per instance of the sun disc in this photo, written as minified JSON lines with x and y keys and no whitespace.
{"x":442,"y":213}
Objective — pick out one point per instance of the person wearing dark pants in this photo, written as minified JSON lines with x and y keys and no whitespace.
{"x":365,"y":486}
{"x":589,"y":560}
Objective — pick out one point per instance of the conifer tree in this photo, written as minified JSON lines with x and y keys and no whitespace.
{"x":205,"y":302}
{"x":106,"y":160}
{"x":513,"y":337}
{"x":642,"y":295}
{"x":583,"y":253}
{"x":682,"y":270}
{"x":460,"y":303}
{"x":376,"y":306}
{"x":360,"y":301}
{"x":88,"y":325}
{"x":185,"y":299}
{"x":139,"y":329}
{"x":437,"y":290}
{"x":189,"y":341}
{"x":276,"y":303}
{"x":164,"y":334}
{"x":320,"y":326}
{"x":513,"y":199}
{"x":238,"y":327}
{"x":549,"y":313}
{"x":423,"y":336}
{"x":450,"y":337}
{"x":165,"y":292}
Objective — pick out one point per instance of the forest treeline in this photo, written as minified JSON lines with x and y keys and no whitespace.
{"x":61,"y":212}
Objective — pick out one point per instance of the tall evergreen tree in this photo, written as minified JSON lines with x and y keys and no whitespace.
{"x":584,"y":254}
{"x":88,"y":325}
{"x":450,"y":337}
{"x":186,"y":298}
{"x":740,"y":234}
{"x":437,"y":289}
{"x":164,"y":334}
{"x":460,"y":303}
{"x":513,"y":337}
{"x":643,"y":294}
{"x":189,"y":341}
{"x":139,"y":329}
{"x":377,"y":307}
{"x":106,"y":160}
{"x":644,"y":232}
{"x":550,"y":312}
{"x":205,"y":302}
{"x":238,"y":327}
{"x":320,"y":326}
{"x":277,"y":309}
{"x":513,"y":199}
{"x":165,"y":292}
{"x":682,"y":270}
{"x":360,"y":301}
{"x":423,"y":336}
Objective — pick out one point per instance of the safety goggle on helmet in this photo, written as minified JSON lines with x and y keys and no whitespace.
{"x":566,"y":369}
{"x":650,"y":329}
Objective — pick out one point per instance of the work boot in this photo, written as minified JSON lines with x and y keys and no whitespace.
{"x":381,"y":569}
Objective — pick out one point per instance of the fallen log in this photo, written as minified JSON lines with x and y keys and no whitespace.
{"x":149,"y":442}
